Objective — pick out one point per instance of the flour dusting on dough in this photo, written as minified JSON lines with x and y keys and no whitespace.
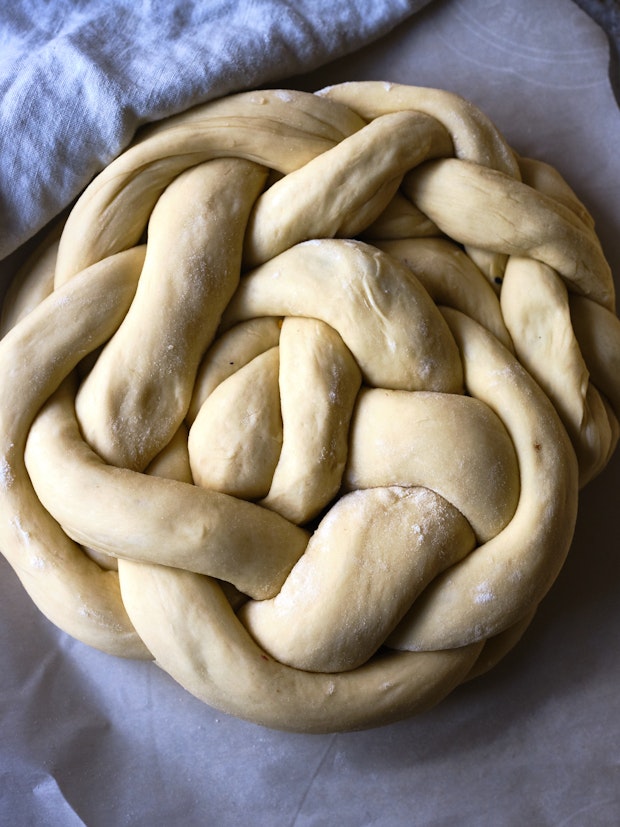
{"x":21,"y":532}
{"x":484,"y":594}
{"x":6,"y":475}
{"x":284,"y":95}
{"x":102,"y":619}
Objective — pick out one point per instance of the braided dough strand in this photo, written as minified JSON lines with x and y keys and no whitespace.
{"x":138,"y":392}
{"x":196,"y":637}
{"x":156,"y":519}
{"x":65,"y":584}
{"x":378,"y":307}
{"x":281,"y":131}
{"x":476,"y":211}
{"x":507,"y":576}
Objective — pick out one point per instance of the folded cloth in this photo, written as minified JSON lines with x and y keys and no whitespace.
{"x":78,"y":77}
{"x":607,"y":15}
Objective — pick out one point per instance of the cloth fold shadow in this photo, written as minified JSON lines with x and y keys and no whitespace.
{"x":607,"y":14}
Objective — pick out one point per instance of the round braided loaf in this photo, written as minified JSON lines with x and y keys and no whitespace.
{"x":300,"y":402}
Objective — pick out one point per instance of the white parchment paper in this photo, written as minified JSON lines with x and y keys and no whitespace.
{"x":89,"y":739}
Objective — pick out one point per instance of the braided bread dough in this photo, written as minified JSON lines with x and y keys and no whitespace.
{"x":300,"y":402}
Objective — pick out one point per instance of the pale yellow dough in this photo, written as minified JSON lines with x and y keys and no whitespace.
{"x":300,"y":401}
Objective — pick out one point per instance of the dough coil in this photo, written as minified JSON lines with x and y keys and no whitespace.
{"x":299,"y":401}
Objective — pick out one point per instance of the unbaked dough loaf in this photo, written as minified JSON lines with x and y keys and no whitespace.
{"x":300,"y":402}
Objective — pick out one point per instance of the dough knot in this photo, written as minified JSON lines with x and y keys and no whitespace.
{"x":299,"y":399}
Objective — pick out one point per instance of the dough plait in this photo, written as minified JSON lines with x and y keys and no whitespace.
{"x":299,"y":399}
